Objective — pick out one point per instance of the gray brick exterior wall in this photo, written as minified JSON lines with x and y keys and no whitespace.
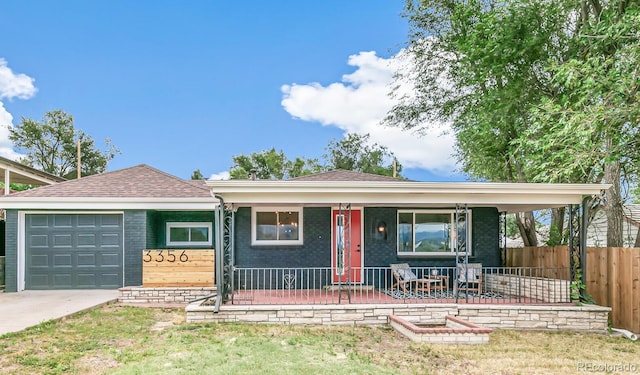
{"x":11,"y":251}
{"x":486,"y":237}
{"x":135,"y":240}
{"x":152,"y":233}
{"x":316,"y":251}
{"x":381,"y":253}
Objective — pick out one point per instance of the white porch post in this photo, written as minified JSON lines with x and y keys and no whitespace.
{"x":7,"y":179}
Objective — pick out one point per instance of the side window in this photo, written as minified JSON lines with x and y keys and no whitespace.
{"x":189,"y":234}
{"x":276,"y":226}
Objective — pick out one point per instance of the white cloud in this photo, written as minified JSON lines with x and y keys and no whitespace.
{"x":12,"y":86}
{"x":220,"y":176}
{"x":6,"y":147}
{"x":359,"y":102}
{"x":15,"y":85}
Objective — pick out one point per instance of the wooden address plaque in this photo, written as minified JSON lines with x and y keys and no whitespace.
{"x":178,"y":268}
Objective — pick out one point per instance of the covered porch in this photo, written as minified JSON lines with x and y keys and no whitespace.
{"x":314,"y":286}
{"x":341,"y":253}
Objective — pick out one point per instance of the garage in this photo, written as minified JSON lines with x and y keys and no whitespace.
{"x":73,"y":251}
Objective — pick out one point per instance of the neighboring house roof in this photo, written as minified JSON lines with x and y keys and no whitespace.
{"x":354,"y":188}
{"x":136,"y":187}
{"x":17,"y":173}
{"x":345,"y":175}
{"x":597,"y":231}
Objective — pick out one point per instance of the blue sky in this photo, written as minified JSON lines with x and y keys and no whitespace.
{"x":185,"y":85}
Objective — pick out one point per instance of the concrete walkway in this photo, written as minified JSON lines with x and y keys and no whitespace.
{"x":29,"y":308}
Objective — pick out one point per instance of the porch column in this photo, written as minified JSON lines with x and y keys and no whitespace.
{"x":578,"y":223}
{"x":586,"y":202}
{"x":7,"y":180}
{"x":574,"y":240}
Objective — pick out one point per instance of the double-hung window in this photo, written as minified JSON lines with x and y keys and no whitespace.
{"x":430,"y":232}
{"x":189,"y":234}
{"x":276,"y":226}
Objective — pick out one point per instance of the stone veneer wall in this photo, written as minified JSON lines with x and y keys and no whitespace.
{"x":538,"y":288}
{"x":589,"y":318}
{"x":168,"y":295}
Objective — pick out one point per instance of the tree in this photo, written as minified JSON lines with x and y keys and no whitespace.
{"x":350,"y":153}
{"x":591,"y":122}
{"x":197,"y":175}
{"x":493,"y":68}
{"x":51,"y":145}
{"x":271,"y":164}
{"x":477,"y":65}
{"x":354,"y":153}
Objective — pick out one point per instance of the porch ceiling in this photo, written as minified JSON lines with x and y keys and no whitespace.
{"x":504,"y":196}
{"x":18,"y":173}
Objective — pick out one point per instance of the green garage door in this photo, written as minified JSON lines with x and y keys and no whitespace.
{"x":73,"y":251}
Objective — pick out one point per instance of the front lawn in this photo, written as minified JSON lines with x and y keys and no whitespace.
{"x":117,"y":339}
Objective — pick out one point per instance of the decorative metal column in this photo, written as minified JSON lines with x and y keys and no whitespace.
{"x":462,"y":255}
{"x":224,"y":262}
{"x":586,"y":203}
{"x":502,"y":238}
{"x":575,"y":253}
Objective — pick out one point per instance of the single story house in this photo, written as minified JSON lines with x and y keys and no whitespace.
{"x":93,"y":232}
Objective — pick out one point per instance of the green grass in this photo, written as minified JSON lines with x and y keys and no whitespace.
{"x":116,"y":339}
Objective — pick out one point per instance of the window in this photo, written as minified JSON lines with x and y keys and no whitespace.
{"x":276,"y":226}
{"x":189,"y":234}
{"x":428,"y":232}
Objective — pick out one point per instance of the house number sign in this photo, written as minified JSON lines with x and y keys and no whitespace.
{"x":160,"y":256}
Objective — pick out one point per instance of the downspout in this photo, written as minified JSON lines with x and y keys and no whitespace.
{"x":219,"y":262}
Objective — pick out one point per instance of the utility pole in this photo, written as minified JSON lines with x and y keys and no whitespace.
{"x":395,"y":167}
{"x":79,"y":160}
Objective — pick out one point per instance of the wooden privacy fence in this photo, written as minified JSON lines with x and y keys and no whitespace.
{"x":177,"y":268}
{"x":612,"y":276}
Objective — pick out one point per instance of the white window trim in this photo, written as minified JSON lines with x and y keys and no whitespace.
{"x":255,"y":242}
{"x":452,"y":235}
{"x":189,"y":224}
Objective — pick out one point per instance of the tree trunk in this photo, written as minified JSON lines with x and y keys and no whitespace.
{"x":637,"y":243}
{"x":613,"y":204}
{"x":556,"y":228}
{"x":527,"y":227}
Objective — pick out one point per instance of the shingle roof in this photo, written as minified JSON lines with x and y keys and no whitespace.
{"x":345,"y":175}
{"x":141,"y":181}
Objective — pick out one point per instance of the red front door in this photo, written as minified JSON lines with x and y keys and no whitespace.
{"x":346,"y":248}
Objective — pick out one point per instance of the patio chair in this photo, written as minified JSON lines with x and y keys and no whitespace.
{"x":408,"y":282}
{"x":469,"y":278}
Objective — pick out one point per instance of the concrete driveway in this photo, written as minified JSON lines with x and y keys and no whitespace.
{"x":29,"y":308}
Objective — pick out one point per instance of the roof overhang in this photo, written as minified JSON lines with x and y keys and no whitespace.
{"x":110,"y":203}
{"x":17,"y":173}
{"x":506,"y":197}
